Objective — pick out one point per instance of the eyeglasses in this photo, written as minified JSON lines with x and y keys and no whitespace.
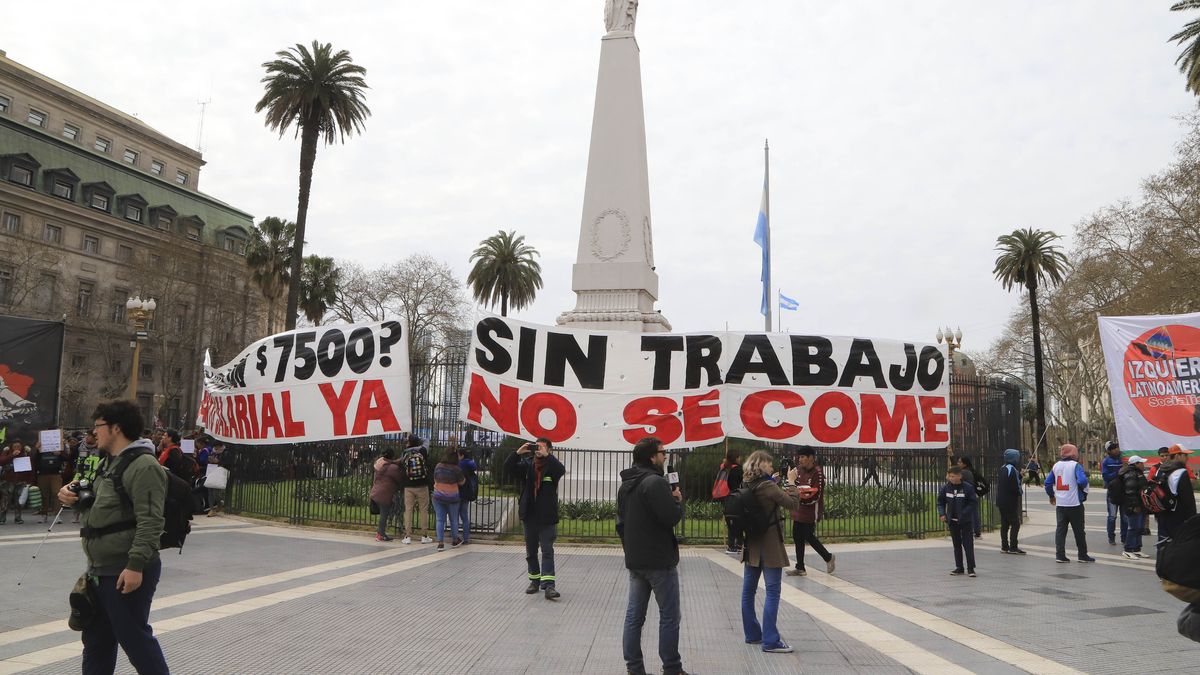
{"x":104,"y":424}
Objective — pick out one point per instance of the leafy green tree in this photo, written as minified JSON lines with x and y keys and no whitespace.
{"x":318,"y":287}
{"x":269,"y":257}
{"x":322,"y":94}
{"x":1029,"y":257}
{"x":505,"y":271}
{"x":1189,"y":59}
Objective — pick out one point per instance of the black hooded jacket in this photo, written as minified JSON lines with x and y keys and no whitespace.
{"x":646,"y":517}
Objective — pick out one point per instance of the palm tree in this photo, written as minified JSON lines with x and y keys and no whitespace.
{"x":269,"y":257}
{"x":1189,"y":37}
{"x":318,"y":287}
{"x":1027,"y":257}
{"x":505,"y":271}
{"x":322,"y":94}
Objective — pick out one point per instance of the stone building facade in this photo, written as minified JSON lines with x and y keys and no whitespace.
{"x":96,"y":206}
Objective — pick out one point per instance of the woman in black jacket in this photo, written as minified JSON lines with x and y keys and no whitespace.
{"x":732,"y":464}
{"x":1132,"y":482}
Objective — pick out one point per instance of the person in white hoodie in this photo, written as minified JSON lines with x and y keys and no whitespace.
{"x":1067,"y":486}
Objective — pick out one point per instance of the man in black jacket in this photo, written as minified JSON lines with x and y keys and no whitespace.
{"x":648,"y":509}
{"x":1008,"y":501}
{"x":539,"y":471}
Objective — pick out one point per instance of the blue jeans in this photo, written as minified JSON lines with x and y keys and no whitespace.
{"x":123,"y":619}
{"x":1115,"y":512}
{"x":1131,"y":523}
{"x":441,"y":510}
{"x":464,"y":519}
{"x":768,"y":632}
{"x":665,"y":585}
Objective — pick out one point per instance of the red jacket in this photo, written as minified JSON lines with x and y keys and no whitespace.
{"x":813,"y":508}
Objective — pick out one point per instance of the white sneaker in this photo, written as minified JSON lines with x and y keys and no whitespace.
{"x":426,"y":540}
{"x":1140,"y":554}
{"x":831,"y":565}
{"x":406,"y":540}
{"x":1129,"y":554}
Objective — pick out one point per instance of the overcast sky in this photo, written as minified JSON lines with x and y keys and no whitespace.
{"x":905,"y":136}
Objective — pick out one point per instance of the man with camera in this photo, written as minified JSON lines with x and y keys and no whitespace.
{"x":122,"y":523}
{"x":648,"y":508}
{"x":539,"y":472}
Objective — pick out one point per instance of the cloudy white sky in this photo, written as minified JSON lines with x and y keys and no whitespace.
{"x":905,"y":136}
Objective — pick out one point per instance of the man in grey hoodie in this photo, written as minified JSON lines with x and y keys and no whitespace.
{"x":1008,"y":502}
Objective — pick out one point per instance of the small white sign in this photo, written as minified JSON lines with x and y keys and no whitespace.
{"x":188,"y":446}
{"x":22,"y":464}
{"x":51,"y":440}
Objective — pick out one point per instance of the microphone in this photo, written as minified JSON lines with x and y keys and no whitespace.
{"x":672,"y":476}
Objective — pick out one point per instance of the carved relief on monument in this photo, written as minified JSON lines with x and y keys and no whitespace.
{"x":610,"y":235}
{"x":620,"y":15}
{"x":647,"y":241}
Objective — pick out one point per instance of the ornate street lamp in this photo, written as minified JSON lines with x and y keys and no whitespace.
{"x":953,"y":340}
{"x":141,"y":312}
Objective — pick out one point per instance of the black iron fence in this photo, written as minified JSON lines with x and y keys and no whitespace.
{"x":869,"y":493}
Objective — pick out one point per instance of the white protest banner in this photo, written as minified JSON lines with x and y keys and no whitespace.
{"x":51,"y":440}
{"x":188,"y":446}
{"x":312,"y":384}
{"x":597,"y":389}
{"x":22,"y":464}
{"x":1153,"y":365}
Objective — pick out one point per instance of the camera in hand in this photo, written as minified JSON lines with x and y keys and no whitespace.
{"x":87,"y":496}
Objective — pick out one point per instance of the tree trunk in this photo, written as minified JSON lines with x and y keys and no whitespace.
{"x":503,"y":301}
{"x":308,"y":157}
{"x":1040,"y":395}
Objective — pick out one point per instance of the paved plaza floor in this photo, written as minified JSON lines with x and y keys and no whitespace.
{"x":248,"y":598}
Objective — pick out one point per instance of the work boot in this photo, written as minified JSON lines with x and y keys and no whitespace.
{"x":552,"y":594}
{"x":534,"y":587}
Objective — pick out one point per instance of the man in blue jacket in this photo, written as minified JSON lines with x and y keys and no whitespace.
{"x":1008,"y":502}
{"x":1109,"y":467}
{"x":956,"y":507}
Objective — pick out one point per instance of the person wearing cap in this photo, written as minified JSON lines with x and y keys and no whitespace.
{"x":1131,"y":479}
{"x":1067,"y":486}
{"x":1179,"y":483}
{"x":1109,"y":467}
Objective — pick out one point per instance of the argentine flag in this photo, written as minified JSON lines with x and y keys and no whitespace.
{"x":787,"y":303}
{"x":762,"y":237}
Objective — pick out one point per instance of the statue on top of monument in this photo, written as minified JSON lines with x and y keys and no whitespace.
{"x":620,"y":15}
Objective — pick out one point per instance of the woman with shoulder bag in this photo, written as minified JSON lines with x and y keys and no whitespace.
{"x":766,"y":555}
{"x":388,"y":477}
{"x":447,"y":479}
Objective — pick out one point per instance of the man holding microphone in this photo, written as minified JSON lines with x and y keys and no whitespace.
{"x":648,"y":508}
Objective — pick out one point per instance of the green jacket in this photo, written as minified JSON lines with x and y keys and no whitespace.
{"x":145,"y":482}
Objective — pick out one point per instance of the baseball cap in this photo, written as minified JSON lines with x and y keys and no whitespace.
{"x":1137,"y":459}
{"x":1178,"y":449}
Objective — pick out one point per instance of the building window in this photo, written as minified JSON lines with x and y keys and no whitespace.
{"x":229,"y":244}
{"x":130,"y":156}
{"x":63,"y":189}
{"x":116,"y":311}
{"x":116,"y":366}
{"x":79,"y":361}
{"x":155,"y":260}
{"x":177,"y":374}
{"x":181,"y":177}
{"x":12,"y":223}
{"x":103,"y":144}
{"x":163,"y":222}
{"x":5,"y":104}
{"x":91,"y":244}
{"x":133,"y":213}
{"x":6,"y":284}
{"x":193,"y":233}
{"x":21,"y":175}
{"x":100,"y":202}
{"x":124,"y":253}
{"x":83,"y":301}
{"x":181,"y":319}
{"x":147,"y":370}
{"x":157,"y":167}
{"x":36,"y":117}
{"x":43,"y":295}
{"x":70,"y":131}
{"x":53,"y":234}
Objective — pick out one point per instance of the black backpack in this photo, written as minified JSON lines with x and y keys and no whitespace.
{"x":469,"y":491}
{"x":1176,"y":565}
{"x":982,"y":487}
{"x":177,"y":509}
{"x":1116,"y":491}
{"x":414,"y":465}
{"x":745,"y":515}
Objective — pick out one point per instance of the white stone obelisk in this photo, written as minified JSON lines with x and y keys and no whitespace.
{"x":614,"y":279}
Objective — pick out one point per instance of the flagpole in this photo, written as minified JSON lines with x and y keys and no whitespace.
{"x":778,"y":307}
{"x":767,"y":213}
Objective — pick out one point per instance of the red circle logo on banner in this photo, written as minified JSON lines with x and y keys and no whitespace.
{"x":1162,"y":378}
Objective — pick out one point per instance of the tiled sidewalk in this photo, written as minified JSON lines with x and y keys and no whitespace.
{"x":325,"y":608}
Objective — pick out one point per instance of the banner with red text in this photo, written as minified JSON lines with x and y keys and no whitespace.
{"x":608,"y":389}
{"x":312,"y":384}
{"x":1153,"y":367}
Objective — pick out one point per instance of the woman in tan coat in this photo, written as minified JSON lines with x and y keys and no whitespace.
{"x":766,"y":555}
